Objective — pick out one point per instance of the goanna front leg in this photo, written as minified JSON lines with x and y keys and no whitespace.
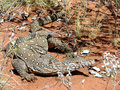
{"x":55,"y":42}
{"x":21,"y":68}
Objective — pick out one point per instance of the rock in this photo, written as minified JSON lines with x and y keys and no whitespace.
{"x":59,"y":20}
{"x":92,"y":72}
{"x":11,"y":36}
{"x":96,"y":69}
{"x":85,"y":52}
{"x":98,"y":75}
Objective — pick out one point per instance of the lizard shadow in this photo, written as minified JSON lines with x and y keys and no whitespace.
{"x":79,"y":73}
{"x":73,"y":73}
{"x":55,"y":50}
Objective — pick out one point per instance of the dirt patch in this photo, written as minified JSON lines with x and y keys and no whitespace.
{"x":93,"y":36}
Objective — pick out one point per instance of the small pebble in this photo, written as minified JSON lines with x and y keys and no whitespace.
{"x":83,"y":81}
{"x":25,"y":15}
{"x":98,"y":75}
{"x":1,"y":20}
{"x":47,"y":86}
{"x":39,"y":11}
{"x":92,"y":72}
{"x":105,"y":79}
{"x":102,"y":72}
{"x":25,"y":23}
{"x":85,"y":52}
{"x":11,"y":36}
{"x":22,"y":28}
{"x":34,"y":17}
{"x":59,"y":20}
{"x":75,"y":53}
{"x":96,"y":69}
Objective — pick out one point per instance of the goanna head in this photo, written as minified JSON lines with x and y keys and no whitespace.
{"x":10,"y":48}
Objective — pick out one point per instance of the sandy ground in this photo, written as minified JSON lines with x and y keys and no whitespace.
{"x":97,"y":46}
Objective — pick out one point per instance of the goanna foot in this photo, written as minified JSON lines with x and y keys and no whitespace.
{"x":69,"y":55}
{"x":29,"y":77}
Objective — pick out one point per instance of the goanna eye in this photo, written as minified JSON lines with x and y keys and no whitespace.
{"x":76,"y":62}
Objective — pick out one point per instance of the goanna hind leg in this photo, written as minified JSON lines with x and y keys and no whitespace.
{"x":49,"y":59}
{"x":21,"y":68}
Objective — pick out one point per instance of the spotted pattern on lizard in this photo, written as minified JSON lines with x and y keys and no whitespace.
{"x":30,"y":54}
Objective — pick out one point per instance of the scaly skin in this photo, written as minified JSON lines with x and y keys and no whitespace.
{"x":30,"y":52}
{"x":48,"y":65}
